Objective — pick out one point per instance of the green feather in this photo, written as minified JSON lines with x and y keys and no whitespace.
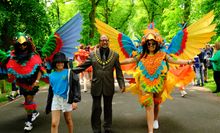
{"x":49,"y":47}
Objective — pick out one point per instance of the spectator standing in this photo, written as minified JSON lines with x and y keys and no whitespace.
{"x":215,"y":60}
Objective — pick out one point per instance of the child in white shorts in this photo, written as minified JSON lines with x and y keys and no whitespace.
{"x":59,"y":103}
{"x":59,"y":81}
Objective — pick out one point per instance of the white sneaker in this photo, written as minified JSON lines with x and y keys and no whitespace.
{"x":156,"y":124}
{"x":183,"y":93}
{"x":34,"y":116}
{"x":28,"y":126}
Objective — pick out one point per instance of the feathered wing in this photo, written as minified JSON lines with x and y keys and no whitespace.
{"x":65,"y":39}
{"x":118,"y":41}
{"x":187,"y":42}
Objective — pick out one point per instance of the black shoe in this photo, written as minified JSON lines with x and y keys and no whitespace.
{"x":197,"y":85}
{"x":12,"y":97}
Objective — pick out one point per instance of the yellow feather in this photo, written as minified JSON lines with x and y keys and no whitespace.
{"x":199,"y":34}
{"x":207,"y":29}
{"x":112,"y":35}
{"x":203,"y":22}
{"x":196,"y":41}
{"x":206,"y":35}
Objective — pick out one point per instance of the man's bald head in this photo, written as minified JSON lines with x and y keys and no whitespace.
{"x":104,"y":41}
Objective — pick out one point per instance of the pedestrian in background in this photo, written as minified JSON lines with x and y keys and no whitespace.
{"x":199,"y":68}
{"x":215,"y":60}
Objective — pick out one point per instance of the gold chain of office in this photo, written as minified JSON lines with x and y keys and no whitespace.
{"x":104,"y":62}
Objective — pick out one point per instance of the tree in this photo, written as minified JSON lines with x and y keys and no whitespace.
{"x":25,"y":16}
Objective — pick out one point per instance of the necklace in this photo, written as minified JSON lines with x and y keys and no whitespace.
{"x":104,"y":62}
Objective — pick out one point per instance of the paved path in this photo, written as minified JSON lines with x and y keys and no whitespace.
{"x":198,"y":112}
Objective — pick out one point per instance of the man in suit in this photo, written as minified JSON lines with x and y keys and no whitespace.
{"x":103,"y":61}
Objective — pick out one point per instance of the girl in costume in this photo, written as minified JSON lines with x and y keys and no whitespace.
{"x":25,"y":67}
{"x":151,"y":77}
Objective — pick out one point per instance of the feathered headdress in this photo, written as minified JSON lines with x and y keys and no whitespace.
{"x":151,"y":33}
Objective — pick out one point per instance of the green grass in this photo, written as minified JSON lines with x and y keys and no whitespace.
{"x":3,"y":96}
{"x":211,"y":83}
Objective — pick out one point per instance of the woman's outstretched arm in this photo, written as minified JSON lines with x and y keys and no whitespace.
{"x":170,"y":59}
{"x":129,"y":60}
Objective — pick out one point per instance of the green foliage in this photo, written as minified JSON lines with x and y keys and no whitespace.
{"x":170,"y":23}
{"x":60,"y":12}
{"x":24,"y":16}
{"x":85,"y":7}
{"x":3,"y":56}
{"x":211,"y":83}
{"x":128,"y":16}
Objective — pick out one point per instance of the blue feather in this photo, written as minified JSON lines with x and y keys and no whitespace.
{"x":128,"y":45}
{"x":70,"y":35}
{"x":176,"y":42}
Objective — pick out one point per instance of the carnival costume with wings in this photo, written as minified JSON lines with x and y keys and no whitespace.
{"x":152,"y":73}
{"x":23,"y":67}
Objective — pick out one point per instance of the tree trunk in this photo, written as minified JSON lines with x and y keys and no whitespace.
{"x":106,"y":11}
{"x":2,"y":86}
{"x":92,"y":17}
{"x":187,"y":5}
{"x":6,"y":40}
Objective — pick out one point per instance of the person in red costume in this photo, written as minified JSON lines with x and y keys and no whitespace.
{"x":81,"y":57}
{"x":25,"y":67}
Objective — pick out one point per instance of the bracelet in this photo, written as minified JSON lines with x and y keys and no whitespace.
{"x":37,"y":81}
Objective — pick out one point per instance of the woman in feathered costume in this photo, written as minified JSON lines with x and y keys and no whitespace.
{"x":151,"y":76}
{"x":25,"y":66}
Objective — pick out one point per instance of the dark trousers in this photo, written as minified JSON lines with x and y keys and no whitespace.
{"x":216,"y":75}
{"x":13,"y":86}
{"x":97,"y":111}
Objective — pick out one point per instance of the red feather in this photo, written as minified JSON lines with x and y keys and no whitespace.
{"x":121,"y":45}
{"x":28,"y":68}
{"x":183,"y":44}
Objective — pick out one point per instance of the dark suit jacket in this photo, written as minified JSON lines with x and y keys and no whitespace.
{"x":103,"y":79}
